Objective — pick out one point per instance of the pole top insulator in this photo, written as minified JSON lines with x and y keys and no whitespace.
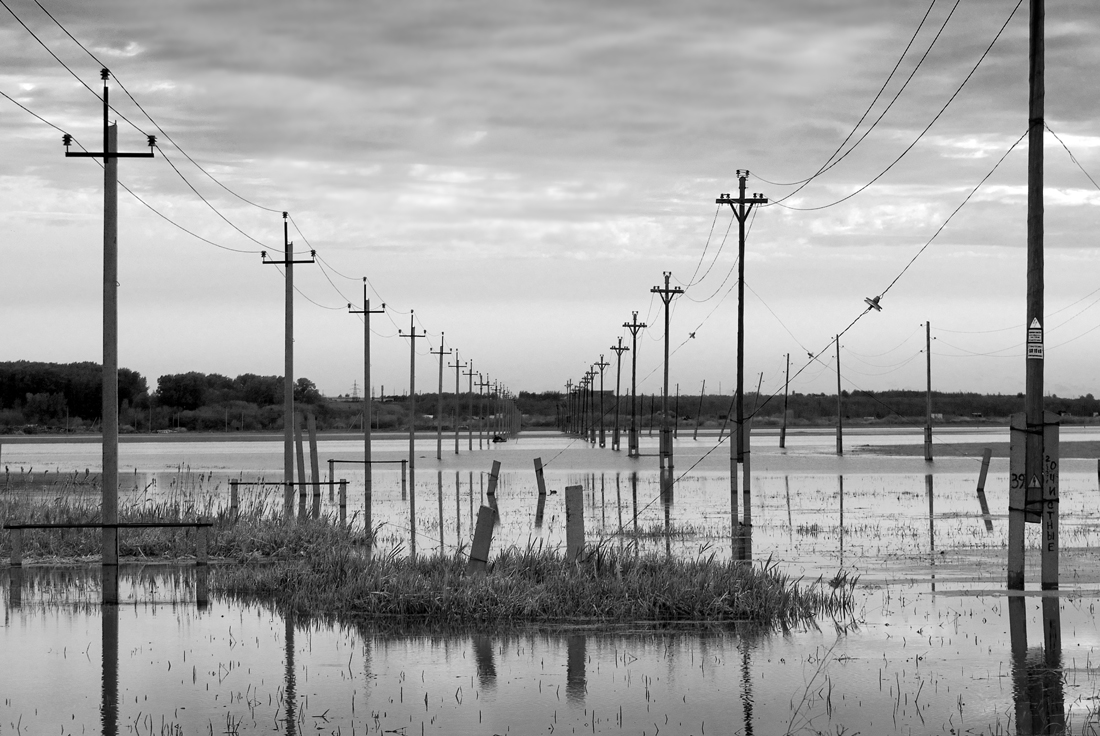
{"x":742,"y":173}
{"x":67,"y":140}
{"x":152,"y":141}
{"x":104,"y":74}
{"x":263,"y":255}
{"x":285,"y":215}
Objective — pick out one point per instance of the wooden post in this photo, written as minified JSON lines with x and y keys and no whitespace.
{"x":574,"y":522}
{"x":494,"y":476}
{"x":234,"y":499}
{"x":404,"y":465}
{"x":1017,"y":500}
{"x":539,"y":477}
{"x":16,"y":547}
{"x":311,"y":426}
{"x":344,"y":504}
{"x":202,"y":588}
{"x":331,"y":481}
{"x":981,"y":490}
{"x":301,"y":466}
{"x":202,"y":544}
{"x":483,"y":538}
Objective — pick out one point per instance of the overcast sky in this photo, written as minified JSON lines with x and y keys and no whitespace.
{"x":521,"y":173}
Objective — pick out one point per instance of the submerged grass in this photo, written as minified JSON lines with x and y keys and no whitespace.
{"x":537,"y":586}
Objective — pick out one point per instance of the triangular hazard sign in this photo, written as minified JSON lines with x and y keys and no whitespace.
{"x":1034,"y":482}
{"x":1035,"y":324}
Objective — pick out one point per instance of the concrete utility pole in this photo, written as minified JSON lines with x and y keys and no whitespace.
{"x":368,"y":476}
{"x":786,"y":387}
{"x":839,"y":410}
{"x":667,"y":294}
{"x":288,"y":370}
{"x":470,"y":419}
{"x":412,"y":423}
{"x":109,"y":407}
{"x":591,"y":384}
{"x":439,"y":410}
{"x":632,"y":441}
{"x":619,"y":349}
{"x":601,"y":365}
{"x":482,"y":383}
{"x":458,"y":366}
{"x":928,"y":392}
{"x":567,"y":418}
{"x":742,"y":206}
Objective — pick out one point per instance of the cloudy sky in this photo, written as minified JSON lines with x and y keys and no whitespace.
{"x":522,"y":173}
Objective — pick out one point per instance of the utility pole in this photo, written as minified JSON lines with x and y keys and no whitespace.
{"x":667,"y":294}
{"x":567,"y":419}
{"x":601,"y":365}
{"x":470,"y":419}
{"x":786,"y":386}
{"x":412,"y":424}
{"x":439,"y":410}
{"x":699,"y":414}
{"x":591,"y":384}
{"x":742,"y":206}
{"x":458,"y":366}
{"x":368,"y":476}
{"x":632,"y":440}
{"x":928,"y":392}
{"x":288,"y":350}
{"x":619,"y":349}
{"x":482,"y":382}
{"x":839,"y":413}
{"x":109,"y":407}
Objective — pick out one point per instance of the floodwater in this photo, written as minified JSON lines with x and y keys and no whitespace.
{"x":935,"y":645}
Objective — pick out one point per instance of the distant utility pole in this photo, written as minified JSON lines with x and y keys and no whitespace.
{"x":567,"y":418}
{"x":667,"y":294}
{"x":839,"y":411}
{"x":632,"y":441}
{"x":601,"y":365}
{"x":470,"y":419}
{"x":699,"y":414}
{"x":413,"y":336}
{"x":742,"y":206}
{"x":591,"y":384}
{"x":439,"y":410}
{"x":458,"y":366}
{"x":109,"y":407}
{"x":482,"y":383}
{"x":786,"y":386}
{"x":288,"y":350}
{"x":619,"y":349}
{"x":368,"y":476}
{"x":928,"y":392}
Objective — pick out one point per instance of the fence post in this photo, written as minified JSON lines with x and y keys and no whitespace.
{"x":202,"y":543}
{"x":234,"y":499}
{"x":494,"y":475}
{"x":315,"y":471}
{"x":404,"y":464}
{"x":574,"y":522}
{"x":16,"y":547}
{"x":483,"y":538}
{"x":331,"y":481}
{"x":539,"y":477}
{"x":301,"y":466}
{"x":981,"y":489}
{"x":343,"y":502}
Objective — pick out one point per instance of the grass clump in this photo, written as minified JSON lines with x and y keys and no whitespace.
{"x":535,"y":586}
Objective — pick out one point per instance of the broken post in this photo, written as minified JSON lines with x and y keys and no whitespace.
{"x":483,"y":538}
{"x":16,"y":547}
{"x":494,"y":476}
{"x":574,"y":522}
{"x":539,"y":477}
{"x":981,"y":489}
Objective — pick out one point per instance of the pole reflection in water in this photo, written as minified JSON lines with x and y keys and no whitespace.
{"x":619,"y":508}
{"x":603,"y":504}
{"x":202,"y":587}
{"x":458,"y":505}
{"x":790,"y":521}
{"x":483,"y":659}
{"x":840,"y":483}
{"x":634,"y":502}
{"x":290,"y":693}
{"x":666,"y":503}
{"x":439,"y":494}
{"x":1037,"y":687}
{"x":576,"y":684}
{"x":412,"y":512}
{"x":746,"y":683}
{"x":931,"y":527}
{"x":15,"y":587}
{"x":109,"y":620}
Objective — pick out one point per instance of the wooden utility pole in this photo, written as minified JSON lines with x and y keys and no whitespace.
{"x":786,"y":386}
{"x":699,"y":413}
{"x":928,"y":392}
{"x":368,"y":475}
{"x":601,"y":365}
{"x":109,"y":406}
{"x":632,"y":441}
{"x":742,"y":206}
{"x":458,"y":366}
{"x":618,"y":376}
{"x":288,"y":351}
{"x":439,"y":410}
{"x":667,"y":295}
{"x":413,"y":336}
{"x":481,"y":384}
{"x":470,"y":419}
{"x":839,"y":411}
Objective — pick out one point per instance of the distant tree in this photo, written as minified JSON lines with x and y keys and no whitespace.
{"x":182,"y":390}
{"x":305,"y":391}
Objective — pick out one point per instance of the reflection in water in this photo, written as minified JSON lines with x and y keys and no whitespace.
{"x":1037,"y":686}
{"x":458,"y":507}
{"x":439,"y":495}
{"x":634,"y":502}
{"x":412,"y":512}
{"x":840,"y":482}
{"x":666,"y":504}
{"x":483,"y":658}
{"x":575,"y":679}
{"x":931,"y":527}
{"x":619,"y":509}
{"x":746,"y":683}
{"x":15,"y":587}
{"x":109,"y":620}
{"x":290,"y":694}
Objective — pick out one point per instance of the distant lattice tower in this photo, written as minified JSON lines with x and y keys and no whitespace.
{"x":355,"y":390}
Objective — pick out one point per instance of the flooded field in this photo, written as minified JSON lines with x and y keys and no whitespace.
{"x":935,"y":645}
